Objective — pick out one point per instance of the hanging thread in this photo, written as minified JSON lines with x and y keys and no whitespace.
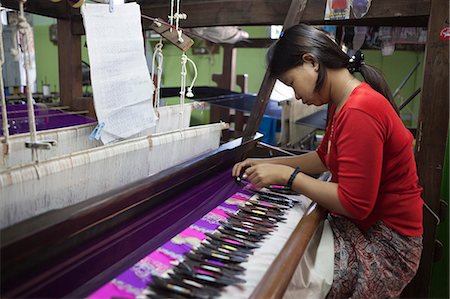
{"x":184,"y":59}
{"x":158,"y":59}
{"x":189,"y":92}
{"x":171,"y":15}
{"x":24,"y":31}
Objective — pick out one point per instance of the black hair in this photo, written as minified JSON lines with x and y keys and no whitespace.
{"x":298,"y":40}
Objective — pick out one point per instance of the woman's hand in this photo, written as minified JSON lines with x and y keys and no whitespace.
{"x":239,"y":168}
{"x":263,"y":175}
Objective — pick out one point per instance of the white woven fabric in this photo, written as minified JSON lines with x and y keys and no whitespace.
{"x":71,"y":139}
{"x":34,"y":188}
{"x":76,"y":138}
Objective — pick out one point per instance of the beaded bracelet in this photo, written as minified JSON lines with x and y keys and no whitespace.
{"x":292,"y":178}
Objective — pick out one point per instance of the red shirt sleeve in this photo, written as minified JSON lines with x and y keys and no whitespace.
{"x":359,"y":145}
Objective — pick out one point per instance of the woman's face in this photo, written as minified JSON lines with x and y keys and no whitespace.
{"x":303,"y":80}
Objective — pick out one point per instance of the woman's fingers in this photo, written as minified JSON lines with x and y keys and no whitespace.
{"x":235,"y":170}
{"x":239,"y":167}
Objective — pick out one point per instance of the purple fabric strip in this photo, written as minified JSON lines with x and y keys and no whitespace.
{"x":134,"y":280}
{"x":46,"y":119}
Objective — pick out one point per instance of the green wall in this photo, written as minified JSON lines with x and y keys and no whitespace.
{"x":249,"y":61}
{"x":395,"y":68}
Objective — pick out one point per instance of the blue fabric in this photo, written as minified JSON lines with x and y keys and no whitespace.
{"x":268,"y":128}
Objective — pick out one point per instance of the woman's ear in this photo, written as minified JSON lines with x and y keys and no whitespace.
{"x":311,"y":59}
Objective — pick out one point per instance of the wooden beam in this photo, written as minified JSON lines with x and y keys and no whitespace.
{"x":272,"y":12}
{"x":276,"y":279}
{"x":226,"y":80}
{"x":59,"y":10}
{"x":255,"y":43}
{"x":293,"y":17}
{"x":69,"y":61}
{"x":431,"y":138}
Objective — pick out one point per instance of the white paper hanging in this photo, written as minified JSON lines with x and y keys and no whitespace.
{"x":121,"y":83}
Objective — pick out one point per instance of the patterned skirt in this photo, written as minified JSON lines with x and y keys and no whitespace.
{"x":378,"y":264}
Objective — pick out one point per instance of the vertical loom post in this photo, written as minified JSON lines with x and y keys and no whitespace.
{"x":2,"y":95}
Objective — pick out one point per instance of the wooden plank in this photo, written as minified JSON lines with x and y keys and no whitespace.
{"x":218,"y":13}
{"x":60,"y":10}
{"x":255,"y":43}
{"x":276,"y":279}
{"x":69,"y":61}
{"x":431,"y":138}
{"x":226,"y":80}
{"x":271,"y":12}
{"x":172,"y":36}
{"x":293,"y":17}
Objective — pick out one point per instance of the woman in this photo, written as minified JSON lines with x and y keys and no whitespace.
{"x":374,"y":196}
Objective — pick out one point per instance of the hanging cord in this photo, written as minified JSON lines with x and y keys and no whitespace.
{"x":158,"y":59}
{"x":3,"y":99}
{"x":184,"y":59}
{"x":189,"y":92}
{"x":24,"y":30}
{"x":14,"y":49}
{"x":171,"y":17}
{"x":179,"y":16}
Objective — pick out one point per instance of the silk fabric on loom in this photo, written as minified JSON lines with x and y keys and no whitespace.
{"x":71,"y":132}
{"x":312,"y":278}
{"x":133,"y":281}
{"x":34,"y":188}
{"x":46,"y":118}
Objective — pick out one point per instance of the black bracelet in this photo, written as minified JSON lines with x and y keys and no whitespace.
{"x":292,"y":178}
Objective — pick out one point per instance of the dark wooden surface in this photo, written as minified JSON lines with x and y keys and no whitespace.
{"x":61,"y":10}
{"x":251,"y":12}
{"x":69,"y":63}
{"x":431,"y":138}
{"x":271,"y":12}
{"x":276,"y":279}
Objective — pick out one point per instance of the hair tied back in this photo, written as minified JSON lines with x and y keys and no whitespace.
{"x":355,"y":62}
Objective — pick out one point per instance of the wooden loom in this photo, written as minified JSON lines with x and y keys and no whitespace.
{"x":80,"y":168}
{"x":429,"y":149}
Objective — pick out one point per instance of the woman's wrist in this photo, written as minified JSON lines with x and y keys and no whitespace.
{"x":292,"y":177}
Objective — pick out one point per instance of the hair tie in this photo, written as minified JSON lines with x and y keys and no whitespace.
{"x":355,"y":62}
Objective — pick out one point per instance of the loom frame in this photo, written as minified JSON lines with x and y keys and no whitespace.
{"x":433,"y":118}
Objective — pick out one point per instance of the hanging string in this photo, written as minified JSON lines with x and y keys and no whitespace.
{"x":25,"y":31}
{"x":189,"y":92}
{"x":14,"y":49}
{"x":179,"y":16}
{"x":158,"y":59}
{"x":171,"y":15}
{"x":184,"y":59}
{"x":2,"y":94}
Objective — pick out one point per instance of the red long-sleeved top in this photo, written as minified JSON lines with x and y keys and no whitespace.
{"x":369,"y":152}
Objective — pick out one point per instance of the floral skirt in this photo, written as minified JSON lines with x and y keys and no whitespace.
{"x":378,"y":264}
